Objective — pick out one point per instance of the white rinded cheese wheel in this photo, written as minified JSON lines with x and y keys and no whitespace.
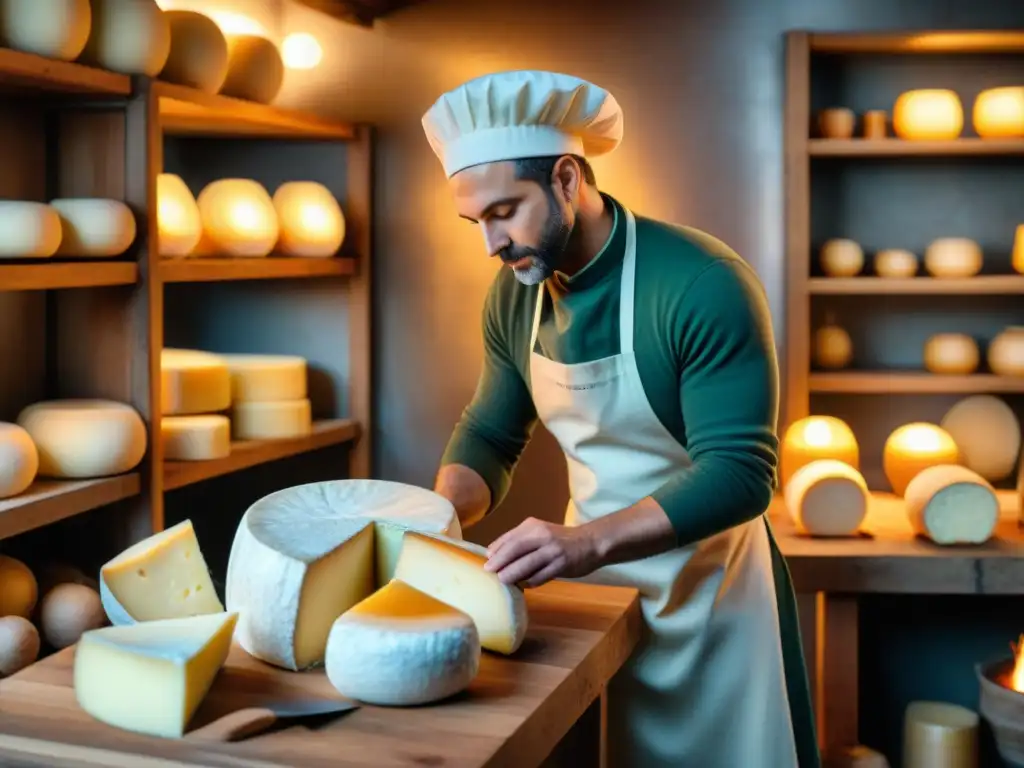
{"x":401,"y":647}
{"x":180,"y":227}
{"x":94,"y":227}
{"x":128,"y":36}
{"x":85,"y":438}
{"x":988,"y":434}
{"x":951,"y":504}
{"x":193,"y":381}
{"x":56,"y":29}
{"x":266,"y":378}
{"x":277,"y":420}
{"x":238,"y":219}
{"x":28,"y":230}
{"x":199,"y":52}
{"x":303,"y":556}
{"x":255,"y":69}
{"x":196,"y":438}
{"x":953,"y":257}
{"x":827,"y":498}
{"x":19,"y":460}
{"x":312,"y":222}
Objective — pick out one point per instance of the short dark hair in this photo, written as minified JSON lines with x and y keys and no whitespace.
{"x":539,"y":169}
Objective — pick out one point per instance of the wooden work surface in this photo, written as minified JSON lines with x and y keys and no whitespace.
{"x":889,"y":558}
{"x":514,"y":714}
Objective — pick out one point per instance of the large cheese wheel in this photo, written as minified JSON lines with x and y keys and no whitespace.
{"x":266,"y":378}
{"x":28,"y":230}
{"x":988,"y":434}
{"x":85,"y":438}
{"x":303,"y":556}
{"x":128,"y":36}
{"x":951,"y":504}
{"x":277,"y":420}
{"x":178,"y":221}
{"x":193,"y":381}
{"x":199,"y":52}
{"x":238,"y":219}
{"x":19,"y":460}
{"x":827,"y":498}
{"x":196,"y":438}
{"x":312,"y":222}
{"x":255,"y":69}
{"x":94,"y":228}
{"x":56,"y":29}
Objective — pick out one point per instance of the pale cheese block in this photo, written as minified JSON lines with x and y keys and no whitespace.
{"x":266,"y":378}
{"x":151,"y":677}
{"x":277,"y":420}
{"x":196,"y":438}
{"x":951,"y":504}
{"x":85,"y":438}
{"x":401,"y":647}
{"x":988,"y":434}
{"x":827,"y":498}
{"x":28,"y":230}
{"x":303,"y":556}
{"x":19,"y":460}
{"x":94,"y":227}
{"x":939,"y":735}
{"x":453,"y":572}
{"x":164,"y":576}
{"x":193,"y":382}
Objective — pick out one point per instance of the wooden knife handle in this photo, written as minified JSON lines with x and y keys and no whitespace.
{"x":236,"y":725}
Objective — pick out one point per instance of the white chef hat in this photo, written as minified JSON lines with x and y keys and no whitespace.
{"x":511,"y":115}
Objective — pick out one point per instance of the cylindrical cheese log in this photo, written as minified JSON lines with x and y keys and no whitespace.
{"x":938,"y":735}
{"x":28,"y":230}
{"x":199,"y":52}
{"x":196,"y":438}
{"x":266,"y":378}
{"x":272,"y":421}
{"x":94,"y":227}
{"x":85,"y":438}
{"x":827,"y":498}
{"x":950,"y":504}
{"x":19,"y":460}
{"x":193,"y":381}
{"x":988,"y":434}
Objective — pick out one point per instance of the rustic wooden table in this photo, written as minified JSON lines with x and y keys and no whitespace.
{"x":521,"y":711}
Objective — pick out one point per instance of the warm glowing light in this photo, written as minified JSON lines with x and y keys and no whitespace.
{"x":999,"y":113}
{"x":236,"y":24}
{"x":238,"y":218}
{"x":300,"y":50}
{"x":929,"y":114}
{"x":1017,"y":254}
{"x":913,"y":448}
{"x":815,"y":438}
{"x":177,"y":214}
{"x":1017,"y":676}
{"x":312,"y":222}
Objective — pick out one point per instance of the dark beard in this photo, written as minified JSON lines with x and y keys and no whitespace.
{"x":549,"y":254}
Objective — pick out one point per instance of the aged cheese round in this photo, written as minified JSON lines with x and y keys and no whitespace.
{"x":939,"y":735}
{"x":988,"y":434}
{"x":312,"y":222}
{"x":266,"y":378}
{"x":94,"y":227}
{"x":951,"y":504}
{"x":192,"y":382}
{"x":196,"y":438}
{"x":19,"y":644}
{"x":401,"y":647}
{"x":833,"y":347}
{"x":915,"y":447}
{"x":1006,"y":352}
{"x":28,"y":230}
{"x":19,"y":460}
{"x":953,"y":257}
{"x":999,"y":113}
{"x":178,"y":221}
{"x":67,"y":611}
{"x":19,"y":589}
{"x":951,"y":354}
{"x":238,"y":219}
{"x":128,"y":36}
{"x":303,"y":556}
{"x":85,"y":438}
{"x":895,"y":263}
{"x":276,"y":420}
{"x":199,"y":52}
{"x":842,"y":258}
{"x":827,"y":498}
{"x":56,"y":29}
{"x":255,"y":69}
{"x":934,"y":114}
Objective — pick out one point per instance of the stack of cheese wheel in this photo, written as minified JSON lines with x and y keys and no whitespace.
{"x":195,"y":390}
{"x":269,"y":397}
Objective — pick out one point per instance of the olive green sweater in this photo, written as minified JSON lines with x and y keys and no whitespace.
{"x":705,"y":354}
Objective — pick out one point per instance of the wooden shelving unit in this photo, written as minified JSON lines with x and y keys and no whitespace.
{"x":96,"y":328}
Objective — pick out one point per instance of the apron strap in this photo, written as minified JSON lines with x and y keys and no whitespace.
{"x":536,"y":315}
{"x":626,"y":292}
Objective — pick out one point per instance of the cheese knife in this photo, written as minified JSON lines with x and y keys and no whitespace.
{"x":243,"y":723}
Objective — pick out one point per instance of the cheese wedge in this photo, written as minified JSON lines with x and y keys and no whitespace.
{"x":401,"y":647}
{"x":951,"y":504}
{"x":161,"y":577}
{"x":453,"y":572}
{"x":151,"y":677}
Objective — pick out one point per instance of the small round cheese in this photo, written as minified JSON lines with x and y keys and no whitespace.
{"x":401,"y":647}
{"x":953,"y":257}
{"x":842,"y":258}
{"x":85,"y":438}
{"x":18,"y":588}
{"x":988,"y":434}
{"x":895,"y":263}
{"x":827,"y":498}
{"x":19,"y":644}
{"x":94,"y":228}
{"x":951,"y":504}
{"x":272,"y":421}
{"x":266,"y":378}
{"x":67,"y":611}
{"x":192,"y":381}
{"x":196,"y":438}
{"x":28,"y":230}
{"x":19,"y":460}
{"x":951,"y":354}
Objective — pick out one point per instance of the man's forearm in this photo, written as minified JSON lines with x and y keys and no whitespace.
{"x":639,"y":531}
{"x":466,"y":490}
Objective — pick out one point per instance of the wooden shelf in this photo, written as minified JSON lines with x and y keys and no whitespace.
{"x":66,"y":274}
{"x":912,"y":382}
{"x":987,"y":285}
{"x":250,"y":453}
{"x":208,"y":270}
{"x":937,"y":41}
{"x":892,"y":147}
{"x":48,"y":501}
{"x":188,"y":112}
{"x":26,"y":71}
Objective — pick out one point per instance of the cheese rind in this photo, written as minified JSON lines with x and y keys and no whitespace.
{"x":151,"y":677}
{"x":303,"y":556}
{"x":163,"y":576}
{"x":951,"y":504}
{"x":279,"y":420}
{"x":401,"y":647}
{"x":453,"y":572}
{"x":19,"y":460}
{"x":94,"y":227}
{"x":827,"y":498}
{"x":266,"y":378}
{"x":196,"y":438}
{"x":28,"y":230}
{"x":193,"y":382}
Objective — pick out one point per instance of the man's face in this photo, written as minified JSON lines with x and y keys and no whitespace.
{"x":524,"y":223}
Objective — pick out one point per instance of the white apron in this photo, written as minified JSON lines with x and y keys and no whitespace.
{"x":706,"y":686}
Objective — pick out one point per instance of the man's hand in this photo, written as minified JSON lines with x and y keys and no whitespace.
{"x":535,"y":552}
